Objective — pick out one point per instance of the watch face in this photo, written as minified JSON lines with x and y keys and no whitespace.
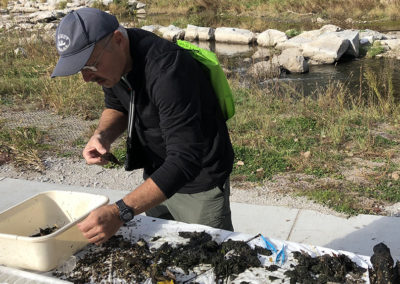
{"x":127,"y":215}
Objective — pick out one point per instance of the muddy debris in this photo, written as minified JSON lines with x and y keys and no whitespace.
{"x":325,"y":269}
{"x":45,"y":231}
{"x":383,"y":271}
{"x":135,"y":262}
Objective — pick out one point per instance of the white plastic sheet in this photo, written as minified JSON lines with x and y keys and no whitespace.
{"x":147,"y":228}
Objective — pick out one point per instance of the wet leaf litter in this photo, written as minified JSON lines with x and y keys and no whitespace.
{"x":135,"y":262}
{"x":44,"y":232}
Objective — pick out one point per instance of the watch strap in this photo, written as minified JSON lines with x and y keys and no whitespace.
{"x":123,"y":209}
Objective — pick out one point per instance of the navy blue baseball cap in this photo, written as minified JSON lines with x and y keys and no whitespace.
{"x":76,"y":36}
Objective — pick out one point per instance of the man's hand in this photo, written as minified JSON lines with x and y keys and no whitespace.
{"x":101,"y":224}
{"x":94,"y":149}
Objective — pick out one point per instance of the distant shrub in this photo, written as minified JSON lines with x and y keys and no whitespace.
{"x":62,"y":5}
{"x":292,"y":32}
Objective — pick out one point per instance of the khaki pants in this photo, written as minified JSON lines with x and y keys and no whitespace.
{"x":209,"y":208}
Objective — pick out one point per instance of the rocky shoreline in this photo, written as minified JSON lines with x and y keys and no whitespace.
{"x":276,"y":51}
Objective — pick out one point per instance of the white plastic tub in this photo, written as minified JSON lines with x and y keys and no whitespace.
{"x":61,"y":208}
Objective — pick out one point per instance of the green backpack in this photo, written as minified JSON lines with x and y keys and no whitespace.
{"x":217,"y":76}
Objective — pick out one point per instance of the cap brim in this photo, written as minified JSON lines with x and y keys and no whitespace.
{"x":72,"y":64}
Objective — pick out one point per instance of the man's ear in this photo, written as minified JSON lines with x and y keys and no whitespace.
{"x":119,"y":38}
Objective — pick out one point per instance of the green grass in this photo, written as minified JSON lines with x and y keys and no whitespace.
{"x":375,"y":49}
{"x":257,"y":165}
{"x":292,"y":33}
{"x":335,"y":198}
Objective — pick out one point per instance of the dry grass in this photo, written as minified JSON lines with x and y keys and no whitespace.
{"x":3,"y":3}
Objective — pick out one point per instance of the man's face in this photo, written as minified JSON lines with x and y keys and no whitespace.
{"x":105,"y":65}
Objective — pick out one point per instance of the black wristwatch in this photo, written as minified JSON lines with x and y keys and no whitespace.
{"x":126,"y":213}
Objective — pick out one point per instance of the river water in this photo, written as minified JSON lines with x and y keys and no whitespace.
{"x":350,"y":72}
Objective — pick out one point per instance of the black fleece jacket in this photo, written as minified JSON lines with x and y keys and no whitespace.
{"x":179,"y":123}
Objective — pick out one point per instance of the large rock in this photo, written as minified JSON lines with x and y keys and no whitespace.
{"x":22,"y":9}
{"x":262,"y":53}
{"x":198,"y":33}
{"x":265,"y":69}
{"x":294,"y":42}
{"x":326,"y":49}
{"x":307,"y":37}
{"x":271,"y":38}
{"x":392,"y":44}
{"x":314,"y":34}
{"x":326,"y":45}
{"x":172,"y":33}
{"x":46,"y":16}
{"x":353,"y":36}
{"x":233,"y":35}
{"x":369,"y":36}
{"x":151,"y":28}
{"x":293,"y":61}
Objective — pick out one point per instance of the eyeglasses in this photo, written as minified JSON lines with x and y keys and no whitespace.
{"x":93,"y":67}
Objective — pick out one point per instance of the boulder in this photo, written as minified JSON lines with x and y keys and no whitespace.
{"x":369,"y":36}
{"x":206,"y":33}
{"x":271,"y":38}
{"x":265,"y":69}
{"x":233,"y":35}
{"x":198,"y":33}
{"x":261,"y":53}
{"x":140,"y":5}
{"x":293,"y":61}
{"x":392,"y":44}
{"x":172,"y":33}
{"x":327,"y":49}
{"x":294,"y":42}
{"x":353,"y":36}
{"x":46,"y":16}
{"x":314,"y":34}
{"x":21,"y":9}
{"x":151,"y":28}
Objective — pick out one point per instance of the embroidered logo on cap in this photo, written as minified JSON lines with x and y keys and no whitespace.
{"x":63,"y":42}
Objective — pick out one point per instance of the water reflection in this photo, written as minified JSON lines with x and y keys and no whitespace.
{"x":350,"y":72}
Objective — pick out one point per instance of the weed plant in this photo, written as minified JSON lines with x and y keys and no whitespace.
{"x":375,"y":49}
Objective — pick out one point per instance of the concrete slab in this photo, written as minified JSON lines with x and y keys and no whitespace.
{"x":357,"y":234}
{"x":272,"y":221}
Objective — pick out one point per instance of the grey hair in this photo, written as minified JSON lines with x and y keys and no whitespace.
{"x":123,"y":31}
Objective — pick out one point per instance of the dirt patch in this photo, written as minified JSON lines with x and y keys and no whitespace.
{"x":63,"y":132}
